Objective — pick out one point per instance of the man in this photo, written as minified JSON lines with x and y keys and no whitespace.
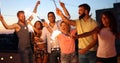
{"x":52,"y":46}
{"x":87,"y":53}
{"x":23,"y":35}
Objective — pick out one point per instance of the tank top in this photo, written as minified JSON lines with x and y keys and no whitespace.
{"x":24,"y":39}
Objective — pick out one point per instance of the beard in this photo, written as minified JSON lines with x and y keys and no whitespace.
{"x":82,"y":16}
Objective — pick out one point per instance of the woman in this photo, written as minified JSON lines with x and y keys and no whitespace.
{"x":107,"y":33}
{"x":39,"y":46}
{"x":67,"y":44}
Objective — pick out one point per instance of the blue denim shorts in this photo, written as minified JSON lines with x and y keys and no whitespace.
{"x":68,"y":58}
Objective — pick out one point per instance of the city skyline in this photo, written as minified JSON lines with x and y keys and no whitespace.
{"x":9,"y":9}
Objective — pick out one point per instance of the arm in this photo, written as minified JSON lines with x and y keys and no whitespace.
{"x":14,"y":26}
{"x":44,"y":35}
{"x":64,"y":9}
{"x":64,"y":18}
{"x":47,"y":26}
{"x":34,"y":11}
{"x":36,"y":30}
{"x":92,"y":44}
{"x":95,"y":30}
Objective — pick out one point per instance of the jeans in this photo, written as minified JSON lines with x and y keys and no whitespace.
{"x":26,"y":55}
{"x":54,"y":56}
{"x":89,"y":57}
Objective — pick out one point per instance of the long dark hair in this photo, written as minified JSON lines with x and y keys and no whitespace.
{"x":112,"y":22}
{"x":40,"y":27}
{"x":40,"y":24}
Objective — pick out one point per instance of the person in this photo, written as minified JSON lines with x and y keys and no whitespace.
{"x":52,"y":46}
{"x":39,"y":46}
{"x":86,"y":45}
{"x":21,"y":29}
{"x":107,"y":34}
{"x":67,"y":43}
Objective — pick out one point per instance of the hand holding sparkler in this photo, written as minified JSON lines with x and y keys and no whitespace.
{"x":59,"y":12}
{"x":36,"y":6}
{"x":42,"y":20}
{"x":61,"y":4}
{"x":45,"y":24}
{"x":38,"y":2}
{"x":64,"y":9}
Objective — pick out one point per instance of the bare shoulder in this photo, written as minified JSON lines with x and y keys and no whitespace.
{"x":16,"y":27}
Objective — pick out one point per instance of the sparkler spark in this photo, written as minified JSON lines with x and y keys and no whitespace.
{"x":30,"y":28}
{"x":55,"y":34}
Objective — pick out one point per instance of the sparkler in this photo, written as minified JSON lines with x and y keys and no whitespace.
{"x":54,"y":3}
{"x":55,"y":34}
{"x":59,"y":0}
{"x":38,"y":17}
{"x":42,"y":20}
{"x":0,"y":8}
{"x":0,"y":11}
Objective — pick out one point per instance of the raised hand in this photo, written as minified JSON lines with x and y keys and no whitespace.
{"x":64,"y":9}
{"x":58,"y":12}
{"x":38,"y":2}
{"x":45,"y":24}
{"x":62,"y":4}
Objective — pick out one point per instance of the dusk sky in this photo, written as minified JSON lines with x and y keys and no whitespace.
{"x":9,"y":8}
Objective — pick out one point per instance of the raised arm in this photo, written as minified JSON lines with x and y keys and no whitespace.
{"x":34,"y":11}
{"x":64,"y":9}
{"x":36,"y":30}
{"x":47,"y":26}
{"x":64,"y":18}
{"x":14,"y":26}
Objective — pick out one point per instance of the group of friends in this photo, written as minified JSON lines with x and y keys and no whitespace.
{"x":96,"y":43}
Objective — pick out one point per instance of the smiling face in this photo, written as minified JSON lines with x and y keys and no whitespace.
{"x":64,"y":27}
{"x":51,"y":17}
{"x":38,"y":25}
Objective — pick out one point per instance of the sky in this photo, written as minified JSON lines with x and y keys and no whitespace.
{"x":9,"y":9}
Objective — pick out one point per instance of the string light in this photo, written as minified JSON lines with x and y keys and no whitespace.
{"x":2,"y":58}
